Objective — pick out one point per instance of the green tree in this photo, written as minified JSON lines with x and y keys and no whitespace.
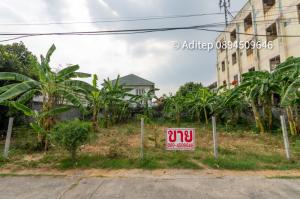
{"x":200,"y":101}
{"x":15,"y":58}
{"x":250,"y":91}
{"x":95,"y":99}
{"x":189,"y":87}
{"x":144,"y":100}
{"x":288,"y":78}
{"x":50,"y":85}
{"x":174,"y":106}
{"x":265,"y":86}
{"x":114,"y":101}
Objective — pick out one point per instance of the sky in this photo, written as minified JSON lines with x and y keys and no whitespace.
{"x":151,"y":56}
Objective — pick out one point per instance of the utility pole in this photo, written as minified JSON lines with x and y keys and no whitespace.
{"x":225,"y":4}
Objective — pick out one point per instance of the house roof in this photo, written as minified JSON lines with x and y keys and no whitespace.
{"x":133,"y":80}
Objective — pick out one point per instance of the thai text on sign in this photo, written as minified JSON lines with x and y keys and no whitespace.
{"x":180,"y":139}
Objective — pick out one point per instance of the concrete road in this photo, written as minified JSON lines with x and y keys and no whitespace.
{"x":38,"y":187}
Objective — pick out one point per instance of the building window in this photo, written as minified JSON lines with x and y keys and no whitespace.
{"x":223,"y":66}
{"x":224,"y":83}
{"x":268,"y":4}
{"x":274,"y":62}
{"x":298,"y":9}
{"x":233,"y":36}
{"x":222,"y":46}
{"x":139,"y":91}
{"x":248,"y":22}
{"x":235,"y":80}
{"x":271,"y":32}
{"x":251,"y":69}
{"x":234,"y":59}
{"x":249,"y":48}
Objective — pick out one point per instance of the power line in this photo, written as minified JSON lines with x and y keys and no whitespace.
{"x":133,"y":31}
{"x":114,"y":20}
{"x":133,"y":19}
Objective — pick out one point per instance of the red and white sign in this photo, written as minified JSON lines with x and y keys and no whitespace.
{"x":180,"y":139}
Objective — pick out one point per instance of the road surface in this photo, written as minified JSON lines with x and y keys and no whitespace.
{"x":184,"y":187}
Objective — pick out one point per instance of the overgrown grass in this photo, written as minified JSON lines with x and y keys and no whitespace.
{"x":117,"y":147}
{"x":245,"y":160}
{"x":150,"y":161}
{"x":285,"y":177}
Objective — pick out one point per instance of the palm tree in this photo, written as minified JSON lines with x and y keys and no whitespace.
{"x":50,"y":85}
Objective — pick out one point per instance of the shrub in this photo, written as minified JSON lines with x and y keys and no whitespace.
{"x":71,"y":135}
{"x":117,"y":148}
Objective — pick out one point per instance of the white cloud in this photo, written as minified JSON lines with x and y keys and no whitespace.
{"x":150,"y":56}
{"x":102,"y":2}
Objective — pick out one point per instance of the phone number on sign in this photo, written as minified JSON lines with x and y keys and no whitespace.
{"x":244,"y":45}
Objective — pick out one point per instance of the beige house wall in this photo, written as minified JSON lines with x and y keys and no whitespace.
{"x":286,"y":17}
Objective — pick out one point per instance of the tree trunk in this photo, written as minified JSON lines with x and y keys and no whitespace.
{"x":206,"y":119}
{"x":198,"y":117}
{"x":258,"y":121}
{"x":268,"y":114}
{"x":48,"y":121}
{"x":297,"y":118}
{"x":95,"y":120}
{"x":73,"y":155}
{"x":105,"y":117}
{"x":178,"y":119}
{"x":292,"y":123}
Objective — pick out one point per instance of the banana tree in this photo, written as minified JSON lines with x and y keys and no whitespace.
{"x":250,"y":91}
{"x":50,"y":85}
{"x":229,"y":105}
{"x":115,"y":100}
{"x":200,"y":101}
{"x":266,"y":86}
{"x":95,"y":102}
{"x":144,"y":99}
{"x":288,"y":77}
{"x":174,"y":106}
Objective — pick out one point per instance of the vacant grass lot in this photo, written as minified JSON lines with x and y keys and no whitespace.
{"x":118,"y":147}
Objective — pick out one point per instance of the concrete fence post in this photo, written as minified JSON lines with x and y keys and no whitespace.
{"x":285,"y":137}
{"x":8,"y":136}
{"x":215,"y":137}
{"x":142,"y":138}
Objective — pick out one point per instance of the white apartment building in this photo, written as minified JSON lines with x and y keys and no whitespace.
{"x":259,"y":21}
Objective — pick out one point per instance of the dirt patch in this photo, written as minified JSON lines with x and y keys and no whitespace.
{"x":150,"y":173}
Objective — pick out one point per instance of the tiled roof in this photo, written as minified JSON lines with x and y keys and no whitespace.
{"x":133,"y":80}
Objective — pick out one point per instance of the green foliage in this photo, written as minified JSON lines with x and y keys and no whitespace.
{"x":16,"y":58}
{"x":189,"y":87}
{"x":116,"y":101}
{"x":56,"y":88}
{"x":71,"y":135}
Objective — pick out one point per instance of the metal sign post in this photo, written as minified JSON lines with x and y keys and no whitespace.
{"x":8,"y":136}
{"x":285,"y":137}
{"x":215,"y":137}
{"x":142,"y":138}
